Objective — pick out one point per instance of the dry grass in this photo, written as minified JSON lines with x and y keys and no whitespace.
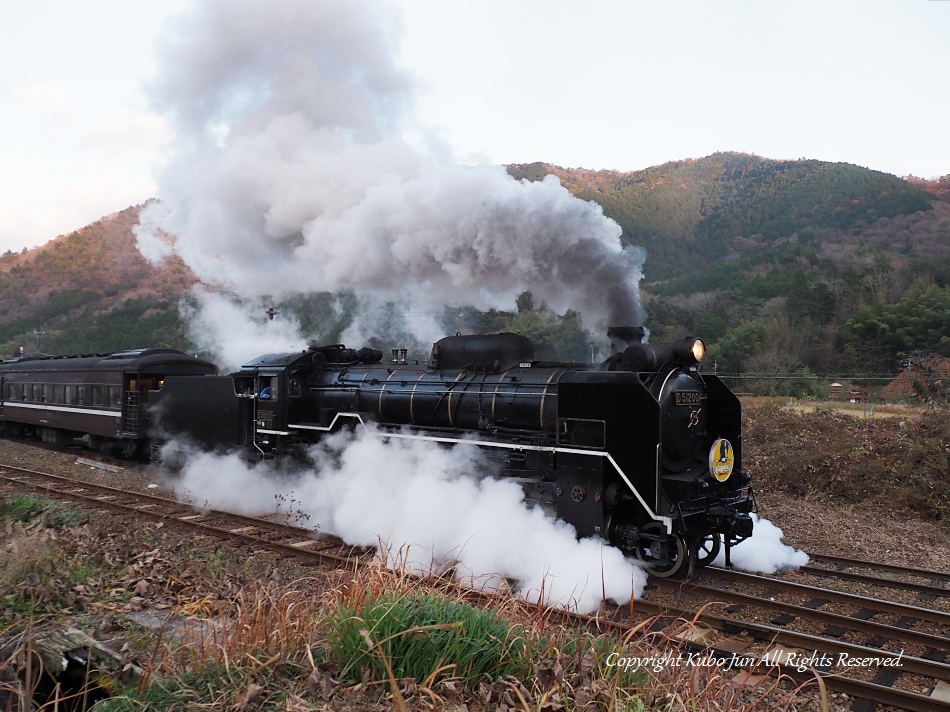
{"x":844,"y":407}
{"x":28,"y":557}
{"x":265,"y":649}
{"x":238,"y":639}
{"x":892,"y":464}
{"x":250,"y":641}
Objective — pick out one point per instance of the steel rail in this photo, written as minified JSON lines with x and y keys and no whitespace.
{"x":925,"y":614}
{"x":189,"y":521}
{"x":920,"y":588}
{"x":854,"y":687}
{"x":864,"y":626}
{"x":895,"y":568}
{"x":185,"y":505}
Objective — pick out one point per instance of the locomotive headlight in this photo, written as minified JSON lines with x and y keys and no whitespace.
{"x":699,"y":350}
{"x":689,"y":351}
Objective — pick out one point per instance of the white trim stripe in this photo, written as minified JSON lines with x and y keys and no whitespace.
{"x":667,"y":521}
{"x":62,"y":409}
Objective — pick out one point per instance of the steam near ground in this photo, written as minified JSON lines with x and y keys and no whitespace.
{"x":291,"y":172}
{"x":764,"y":551}
{"x":431,"y":508}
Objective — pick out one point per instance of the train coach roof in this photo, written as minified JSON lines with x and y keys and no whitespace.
{"x":276,"y":360}
{"x":135,"y":360}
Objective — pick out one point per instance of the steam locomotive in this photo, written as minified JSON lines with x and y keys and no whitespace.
{"x":642,"y":450}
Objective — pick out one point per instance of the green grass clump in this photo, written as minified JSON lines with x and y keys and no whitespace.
{"x":22,"y":508}
{"x":209,"y":687}
{"x":26,"y":508}
{"x":580,"y":649}
{"x":425,"y":637}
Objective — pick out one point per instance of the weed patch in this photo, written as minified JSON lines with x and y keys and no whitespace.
{"x":424,"y":637}
{"x":47,"y":512}
{"x":22,"y":508}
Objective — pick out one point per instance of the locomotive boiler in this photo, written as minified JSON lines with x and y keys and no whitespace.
{"x":643,"y":450}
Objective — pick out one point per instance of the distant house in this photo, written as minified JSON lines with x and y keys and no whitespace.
{"x":857,"y":395}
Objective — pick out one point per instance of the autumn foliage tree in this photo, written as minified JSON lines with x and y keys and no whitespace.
{"x":924,"y":378}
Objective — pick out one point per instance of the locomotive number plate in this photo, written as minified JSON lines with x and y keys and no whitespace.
{"x":686,"y":397}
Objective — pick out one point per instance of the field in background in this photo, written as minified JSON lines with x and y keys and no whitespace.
{"x":860,"y":410}
{"x":897,"y":461}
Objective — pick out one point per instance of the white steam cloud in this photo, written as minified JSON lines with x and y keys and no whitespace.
{"x":764,"y":551}
{"x":290,"y":174}
{"x":235,"y":330}
{"x":433,"y":509}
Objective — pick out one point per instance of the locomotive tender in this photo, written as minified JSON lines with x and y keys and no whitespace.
{"x":642,"y":450}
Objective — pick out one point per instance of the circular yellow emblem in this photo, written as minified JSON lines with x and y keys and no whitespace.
{"x":721,"y":459}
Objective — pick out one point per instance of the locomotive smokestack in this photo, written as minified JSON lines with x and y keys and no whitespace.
{"x":622,"y":336}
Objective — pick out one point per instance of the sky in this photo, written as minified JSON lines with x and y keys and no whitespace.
{"x":606,"y":84}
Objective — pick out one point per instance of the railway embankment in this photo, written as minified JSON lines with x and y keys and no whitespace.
{"x":834,"y":483}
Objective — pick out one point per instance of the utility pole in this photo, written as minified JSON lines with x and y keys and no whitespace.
{"x":38,"y":335}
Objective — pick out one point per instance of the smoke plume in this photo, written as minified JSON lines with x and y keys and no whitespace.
{"x":433,"y":509}
{"x":290,"y":174}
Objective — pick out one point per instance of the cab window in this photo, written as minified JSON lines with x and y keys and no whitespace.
{"x":268,"y":388}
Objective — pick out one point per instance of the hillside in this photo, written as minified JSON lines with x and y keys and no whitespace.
{"x":785,"y":266}
{"x":90,"y":290}
{"x":790,"y":270}
{"x":712,"y":204}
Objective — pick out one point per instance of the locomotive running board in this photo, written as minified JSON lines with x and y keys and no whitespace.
{"x":666,"y":521}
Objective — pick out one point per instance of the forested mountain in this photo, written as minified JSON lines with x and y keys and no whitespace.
{"x":90,"y":291}
{"x":785,"y":266}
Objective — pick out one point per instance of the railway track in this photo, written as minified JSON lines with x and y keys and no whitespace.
{"x":264,"y":534}
{"x":930,"y":585}
{"x":753,"y":633}
{"x":795,"y":620}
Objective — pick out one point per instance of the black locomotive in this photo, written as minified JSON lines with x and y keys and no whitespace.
{"x":642,"y":450}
